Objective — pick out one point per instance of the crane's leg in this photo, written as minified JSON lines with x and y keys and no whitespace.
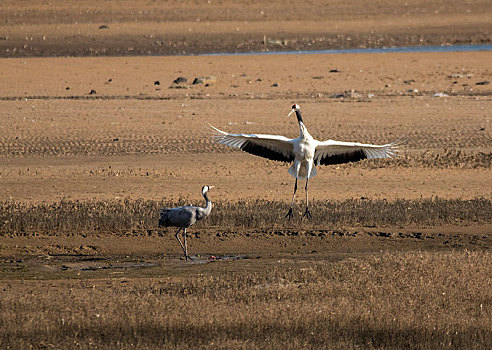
{"x":290,"y":214}
{"x":181,"y":244}
{"x":186,"y":247}
{"x":307,"y":213}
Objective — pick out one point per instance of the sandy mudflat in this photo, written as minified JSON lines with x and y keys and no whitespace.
{"x":87,"y":28}
{"x":135,"y":139}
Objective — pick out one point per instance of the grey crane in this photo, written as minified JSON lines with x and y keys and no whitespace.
{"x":184,"y":217}
{"x":304,"y":152}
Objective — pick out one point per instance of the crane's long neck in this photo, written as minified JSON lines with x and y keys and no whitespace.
{"x":208,"y":206}
{"x":302,"y":128}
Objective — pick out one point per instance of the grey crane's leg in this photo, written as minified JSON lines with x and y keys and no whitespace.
{"x":181,"y":244}
{"x":307,"y":214}
{"x":186,"y":247}
{"x":290,"y":214}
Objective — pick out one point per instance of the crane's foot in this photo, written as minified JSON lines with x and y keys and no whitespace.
{"x":307,"y":214}
{"x":189,"y":257}
{"x":290,"y":214}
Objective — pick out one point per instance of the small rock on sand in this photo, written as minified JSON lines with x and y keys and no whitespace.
{"x":180,"y":80}
{"x":205,"y":80}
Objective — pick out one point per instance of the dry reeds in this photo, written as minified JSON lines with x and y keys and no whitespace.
{"x":127,"y":215}
{"x":414,"y":300}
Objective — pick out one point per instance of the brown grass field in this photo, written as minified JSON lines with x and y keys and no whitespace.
{"x":397,"y":254}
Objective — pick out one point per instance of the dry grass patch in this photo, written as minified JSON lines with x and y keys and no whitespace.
{"x":393,"y":300}
{"x":136,"y":215}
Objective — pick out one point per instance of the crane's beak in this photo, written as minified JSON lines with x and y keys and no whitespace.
{"x":210,"y":187}
{"x":292,"y":111}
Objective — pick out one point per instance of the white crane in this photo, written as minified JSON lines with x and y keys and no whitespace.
{"x":184,"y":217}
{"x":305,"y":152}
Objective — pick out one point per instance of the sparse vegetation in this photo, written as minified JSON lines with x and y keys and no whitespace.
{"x":408,"y":300}
{"x":445,"y":159}
{"x":118,"y":215}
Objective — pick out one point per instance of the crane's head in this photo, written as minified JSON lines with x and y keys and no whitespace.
{"x":295,"y":108}
{"x":206,"y":188}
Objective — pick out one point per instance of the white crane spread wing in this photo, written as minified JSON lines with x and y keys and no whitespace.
{"x":272,"y":147}
{"x":338,"y":152}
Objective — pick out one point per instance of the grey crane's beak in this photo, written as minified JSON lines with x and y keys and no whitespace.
{"x":210,"y":187}
{"x":292,"y":111}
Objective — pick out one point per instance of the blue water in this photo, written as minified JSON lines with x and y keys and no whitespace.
{"x":406,"y":49}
